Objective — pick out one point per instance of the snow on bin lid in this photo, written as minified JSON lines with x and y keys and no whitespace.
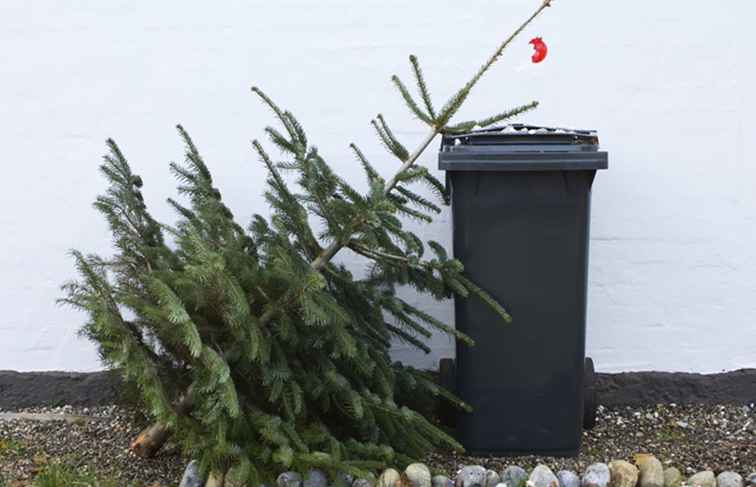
{"x":519,"y":147}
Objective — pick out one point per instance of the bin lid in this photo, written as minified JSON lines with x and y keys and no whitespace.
{"x":518,"y":147}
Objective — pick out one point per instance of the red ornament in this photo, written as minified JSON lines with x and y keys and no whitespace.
{"x":540,"y":49}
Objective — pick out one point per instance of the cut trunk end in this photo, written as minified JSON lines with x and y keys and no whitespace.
{"x":150,"y":440}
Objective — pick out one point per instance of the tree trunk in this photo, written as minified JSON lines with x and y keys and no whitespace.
{"x":152,"y":438}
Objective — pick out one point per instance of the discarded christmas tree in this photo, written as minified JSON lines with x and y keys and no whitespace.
{"x":260,"y":353}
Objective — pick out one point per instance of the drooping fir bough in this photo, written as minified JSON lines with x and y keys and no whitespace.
{"x":249,"y":343}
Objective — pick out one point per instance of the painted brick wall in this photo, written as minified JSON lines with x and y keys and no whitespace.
{"x":669,"y":85}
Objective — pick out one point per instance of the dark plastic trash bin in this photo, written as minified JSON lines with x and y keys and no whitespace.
{"x":521,"y":209}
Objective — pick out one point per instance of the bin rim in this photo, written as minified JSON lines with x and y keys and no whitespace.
{"x":519,"y":147}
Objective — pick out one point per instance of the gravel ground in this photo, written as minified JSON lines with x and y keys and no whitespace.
{"x":98,"y":441}
{"x":691,"y":438}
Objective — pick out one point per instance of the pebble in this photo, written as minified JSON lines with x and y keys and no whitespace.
{"x":316,"y":478}
{"x":363,"y":483}
{"x":751,"y":479}
{"x":542,"y":476}
{"x":672,"y":477}
{"x":568,"y":478}
{"x":289,"y":479}
{"x":191,"y":477}
{"x":388,"y":478}
{"x":651,"y":471}
{"x":514,"y":476}
{"x":703,"y":479}
{"x":596,"y":475}
{"x":622,"y":474}
{"x":729,"y":479}
{"x":471,"y":476}
{"x":441,"y":481}
{"x":418,"y":475}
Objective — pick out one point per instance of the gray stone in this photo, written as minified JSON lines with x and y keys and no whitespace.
{"x":568,"y":478}
{"x":596,"y":475}
{"x":388,"y":478}
{"x":492,"y":478}
{"x":542,"y":476}
{"x":289,"y":479}
{"x":471,"y":476}
{"x":344,"y":480}
{"x":315,"y":478}
{"x":703,"y":479}
{"x":751,"y":480}
{"x":622,"y":474}
{"x":364,"y":483}
{"x":441,"y":481}
{"x":418,"y":475}
{"x":729,"y":479}
{"x":514,"y":476}
{"x":672,"y":477}
{"x":651,"y":470}
{"x":191,"y":477}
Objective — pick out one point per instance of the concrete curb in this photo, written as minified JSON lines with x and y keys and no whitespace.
{"x":29,"y":389}
{"x":646,"y":388}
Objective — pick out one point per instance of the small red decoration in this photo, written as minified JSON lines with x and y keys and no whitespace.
{"x":540,"y":49}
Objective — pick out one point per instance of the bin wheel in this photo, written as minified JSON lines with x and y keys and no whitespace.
{"x":590,"y":398}
{"x":447,"y":379}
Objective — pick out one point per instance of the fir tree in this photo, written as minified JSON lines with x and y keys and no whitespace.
{"x":250,"y":343}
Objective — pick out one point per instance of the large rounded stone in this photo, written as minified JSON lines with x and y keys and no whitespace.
{"x":471,"y":476}
{"x":703,"y":479}
{"x":418,"y":475}
{"x":622,"y":474}
{"x":672,"y":477}
{"x":214,"y":480}
{"x":729,"y":479}
{"x":542,"y":476}
{"x":568,"y":478}
{"x":514,"y":476}
{"x":492,"y":478}
{"x":289,"y":479}
{"x":388,"y":478}
{"x":191,"y":477}
{"x":596,"y":475}
{"x":651,"y":471}
{"x":441,"y":481}
{"x":315,"y":478}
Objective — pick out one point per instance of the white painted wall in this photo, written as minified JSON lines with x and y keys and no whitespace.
{"x":669,"y":85}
